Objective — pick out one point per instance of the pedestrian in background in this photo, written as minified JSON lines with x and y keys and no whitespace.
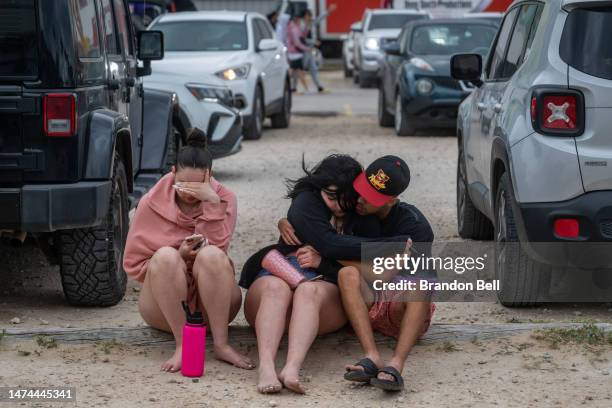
{"x":296,"y":49}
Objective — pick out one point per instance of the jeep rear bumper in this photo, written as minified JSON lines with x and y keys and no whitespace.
{"x":592,"y":249}
{"x":52,"y":207}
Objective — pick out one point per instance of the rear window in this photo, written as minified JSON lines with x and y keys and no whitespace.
{"x":382,"y":21}
{"x":204,"y":35}
{"x":585,"y":44}
{"x":18,"y":45}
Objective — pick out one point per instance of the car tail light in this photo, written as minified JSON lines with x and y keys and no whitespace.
{"x":567,"y":228}
{"x":557,"y":112}
{"x":60,"y":114}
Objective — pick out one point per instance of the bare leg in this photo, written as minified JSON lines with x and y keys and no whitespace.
{"x":414,"y":315}
{"x":353,"y":290}
{"x":317,"y":309}
{"x":302,"y":76}
{"x":164,"y":288}
{"x":220,"y":298}
{"x":266,"y":309}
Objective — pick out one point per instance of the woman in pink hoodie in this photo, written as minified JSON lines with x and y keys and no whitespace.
{"x":171,"y":268}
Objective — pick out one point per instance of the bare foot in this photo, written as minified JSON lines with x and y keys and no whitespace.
{"x":291,"y":379}
{"x":268,"y":381}
{"x":229,"y":355}
{"x":173,"y":364}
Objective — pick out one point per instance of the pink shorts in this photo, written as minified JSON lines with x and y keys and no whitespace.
{"x":387,"y":320}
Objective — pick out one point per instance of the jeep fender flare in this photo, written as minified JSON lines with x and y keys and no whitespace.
{"x":109,"y":131}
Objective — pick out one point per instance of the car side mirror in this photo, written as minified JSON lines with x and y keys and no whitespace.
{"x":150,"y":48}
{"x":392,"y":48}
{"x":357,"y":27}
{"x":467,"y":67}
{"x":267,"y":44}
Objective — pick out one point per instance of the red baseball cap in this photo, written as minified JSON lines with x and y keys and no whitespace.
{"x":383,"y":180}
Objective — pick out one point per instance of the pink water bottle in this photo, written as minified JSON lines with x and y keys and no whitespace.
{"x":194,"y":344}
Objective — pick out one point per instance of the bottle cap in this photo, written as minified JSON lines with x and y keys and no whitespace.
{"x":194,"y":318}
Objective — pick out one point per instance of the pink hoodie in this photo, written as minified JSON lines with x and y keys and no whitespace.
{"x":159,"y":222}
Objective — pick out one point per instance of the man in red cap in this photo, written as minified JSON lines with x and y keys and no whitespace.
{"x":390,"y":313}
{"x":378,"y":188}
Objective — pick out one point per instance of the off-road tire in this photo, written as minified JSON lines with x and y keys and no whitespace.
{"x":91,"y":259}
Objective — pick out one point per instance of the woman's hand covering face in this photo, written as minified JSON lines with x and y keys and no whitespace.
{"x":201,"y":191}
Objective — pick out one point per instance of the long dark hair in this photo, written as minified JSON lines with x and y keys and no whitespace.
{"x":337,"y":169}
{"x":195,"y":154}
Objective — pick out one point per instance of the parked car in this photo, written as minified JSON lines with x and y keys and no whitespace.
{"x":239,"y":48}
{"x":416,"y":89}
{"x":72,"y":146}
{"x":534,"y":144}
{"x":348,"y":50}
{"x":206,"y":103}
{"x":379,"y":27}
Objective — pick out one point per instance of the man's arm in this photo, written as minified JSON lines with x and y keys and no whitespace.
{"x":310,"y":219}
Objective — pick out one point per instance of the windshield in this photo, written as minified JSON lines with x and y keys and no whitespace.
{"x":204,"y":35}
{"x":381,"y":21}
{"x":18,"y":55}
{"x":447,"y":39}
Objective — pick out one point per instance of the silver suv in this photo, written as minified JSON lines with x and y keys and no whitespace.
{"x":535,"y":143}
{"x":379,"y":27}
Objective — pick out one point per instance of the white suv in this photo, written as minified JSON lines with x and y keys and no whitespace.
{"x":241,"y":49}
{"x":379,"y":27}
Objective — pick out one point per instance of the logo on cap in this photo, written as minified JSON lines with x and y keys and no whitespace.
{"x":379,"y":180}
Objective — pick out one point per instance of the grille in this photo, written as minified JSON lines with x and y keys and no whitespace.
{"x":606,"y":228}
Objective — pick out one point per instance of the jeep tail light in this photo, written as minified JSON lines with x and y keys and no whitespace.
{"x":557,"y":111}
{"x":60,"y":114}
{"x":567,"y":228}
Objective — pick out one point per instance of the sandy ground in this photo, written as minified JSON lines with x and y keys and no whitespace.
{"x":30,"y":289}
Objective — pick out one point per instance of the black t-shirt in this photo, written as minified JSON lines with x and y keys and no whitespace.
{"x":310,"y":218}
{"x":403,"y":219}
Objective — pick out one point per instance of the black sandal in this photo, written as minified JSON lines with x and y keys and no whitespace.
{"x":370,"y":370}
{"x":387,"y":385}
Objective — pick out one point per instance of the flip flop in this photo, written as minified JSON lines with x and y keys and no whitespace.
{"x":370,"y":370}
{"x":387,"y":385}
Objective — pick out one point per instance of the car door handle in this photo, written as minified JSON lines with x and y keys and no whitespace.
{"x":497,"y":107}
{"x":481,"y":106}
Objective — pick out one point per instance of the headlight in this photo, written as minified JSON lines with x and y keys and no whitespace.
{"x":232,"y":74}
{"x":424,"y":86}
{"x":421,"y":64}
{"x":372,"y":44}
{"x":211,"y":93}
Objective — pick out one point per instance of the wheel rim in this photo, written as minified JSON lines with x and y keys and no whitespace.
{"x":398,"y":113}
{"x":118,"y":226}
{"x":461,"y":189}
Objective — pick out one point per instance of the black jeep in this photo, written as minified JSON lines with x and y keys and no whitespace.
{"x":73,"y":156}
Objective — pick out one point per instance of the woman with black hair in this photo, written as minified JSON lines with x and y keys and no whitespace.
{"x":322,"y":202}
{"x":177,"y":249}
